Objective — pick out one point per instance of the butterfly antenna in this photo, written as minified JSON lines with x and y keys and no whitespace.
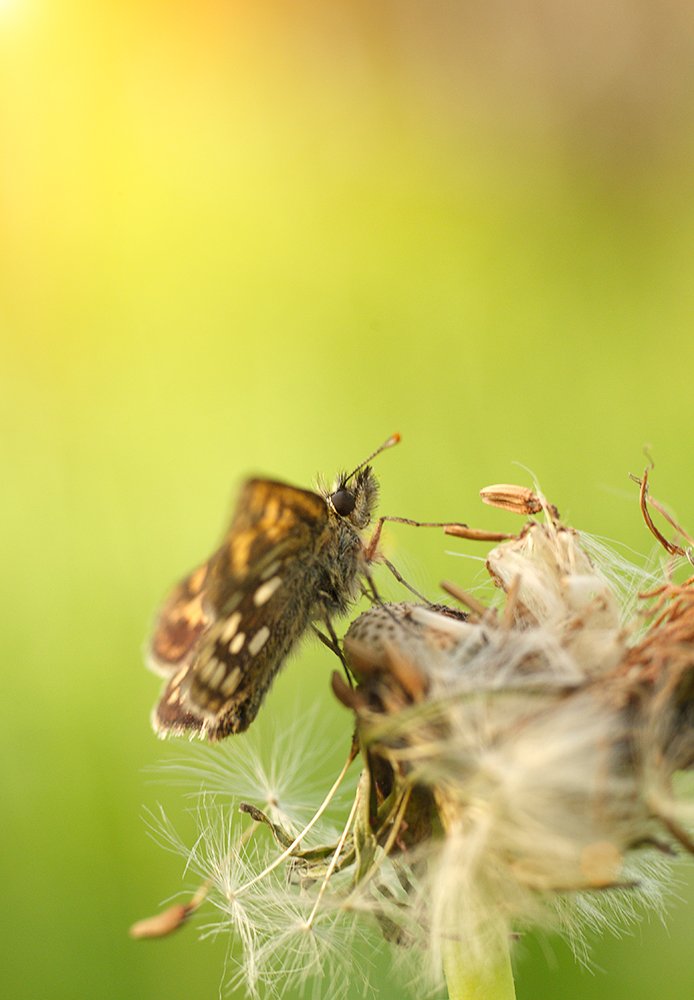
{"x":393,"y":439}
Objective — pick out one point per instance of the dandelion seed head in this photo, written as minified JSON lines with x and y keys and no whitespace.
{"x":295,"y":952}
{"x":517,"y":772}
{"x":274,"y":767}
{"x":543,"y":764}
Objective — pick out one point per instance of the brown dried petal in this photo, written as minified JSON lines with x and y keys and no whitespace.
{"x":517,"y":499}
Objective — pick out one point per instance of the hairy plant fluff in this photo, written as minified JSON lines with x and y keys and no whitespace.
{"x":516,"y":770}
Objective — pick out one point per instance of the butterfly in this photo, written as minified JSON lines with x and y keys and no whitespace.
{"x":291,"y":557}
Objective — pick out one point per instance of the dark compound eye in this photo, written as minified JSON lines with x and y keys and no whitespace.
{"x":343,"y":501}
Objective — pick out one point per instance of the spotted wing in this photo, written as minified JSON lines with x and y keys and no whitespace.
{"x":255,"y":601}
{"x":181,"y":622}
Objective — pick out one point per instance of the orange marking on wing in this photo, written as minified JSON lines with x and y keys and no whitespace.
{"x":197,"y":579}
{"x":240,"y":551}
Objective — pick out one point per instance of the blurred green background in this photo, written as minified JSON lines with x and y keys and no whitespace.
{"x":260,"y":237}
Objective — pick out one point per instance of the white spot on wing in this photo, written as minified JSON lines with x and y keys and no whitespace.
{"x":237,"y":642}
{"x":217,"y":676}
{"x":230,"y":627}
{"x":232,"y":682}
{"x":266,"y":590}
{"x":270,"y":570}
{"x":259,"y":640}
{"x":210,"y":667}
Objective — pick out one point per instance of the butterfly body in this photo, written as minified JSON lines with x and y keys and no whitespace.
{"x":291,"y":557}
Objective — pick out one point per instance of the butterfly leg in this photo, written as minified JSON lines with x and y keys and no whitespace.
{"x":401,"y":579}
{"x":333,"y":643}
{"x":372,"y":593}
{"x":372,"y":547}
{"x":370,"y":590}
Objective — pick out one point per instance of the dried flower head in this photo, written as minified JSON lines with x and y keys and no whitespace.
{"x":516,"y":770}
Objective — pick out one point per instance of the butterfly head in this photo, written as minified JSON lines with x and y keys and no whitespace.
{"x":354,"y":497}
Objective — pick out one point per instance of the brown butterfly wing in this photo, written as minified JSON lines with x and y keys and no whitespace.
{"x":249,"y":607}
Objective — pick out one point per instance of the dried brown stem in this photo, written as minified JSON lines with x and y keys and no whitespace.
{"x":644,"y":500}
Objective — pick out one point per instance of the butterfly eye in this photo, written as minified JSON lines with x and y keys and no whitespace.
{"x":343,"y":502}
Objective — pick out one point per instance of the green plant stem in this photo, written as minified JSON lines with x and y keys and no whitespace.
{"x":467,"y":979}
